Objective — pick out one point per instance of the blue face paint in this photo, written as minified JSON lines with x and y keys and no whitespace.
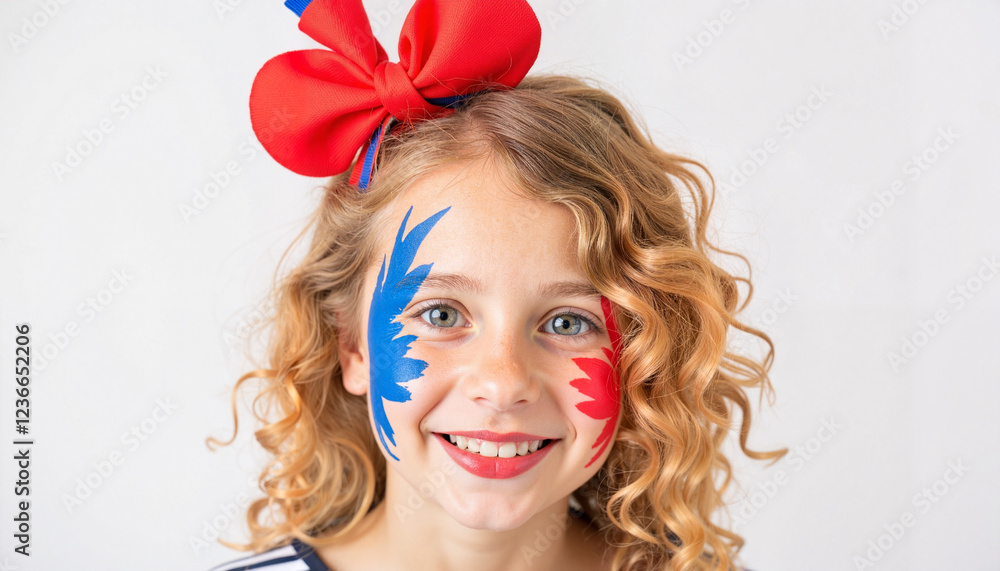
{"x":390,"y":367}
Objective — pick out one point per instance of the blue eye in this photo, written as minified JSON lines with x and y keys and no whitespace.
{"x":441,"y":316}
{"x":569,"y":324}
{"x":565,"y":324}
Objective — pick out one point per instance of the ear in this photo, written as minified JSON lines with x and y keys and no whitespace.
{"x":354,"y":369}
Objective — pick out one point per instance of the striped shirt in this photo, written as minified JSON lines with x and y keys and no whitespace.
{"x":296,"y":556}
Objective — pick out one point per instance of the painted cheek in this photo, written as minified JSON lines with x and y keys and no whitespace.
{"x":394,"y":289}
{"x":601,"y":385}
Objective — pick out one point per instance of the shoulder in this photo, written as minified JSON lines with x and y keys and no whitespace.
{"x":295,"y":556}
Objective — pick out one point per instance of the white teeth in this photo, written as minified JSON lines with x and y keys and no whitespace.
{"x":488,"y":449}
{"x":507,"y":450}
{"x":495,"y":449}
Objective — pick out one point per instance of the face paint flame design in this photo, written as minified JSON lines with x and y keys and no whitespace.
{"x":390,"y":367}
{"x":601,"y":385}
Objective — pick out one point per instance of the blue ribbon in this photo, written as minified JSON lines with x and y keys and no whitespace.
{"x":297,"y":6}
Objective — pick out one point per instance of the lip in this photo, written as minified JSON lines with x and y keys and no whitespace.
{"x":494,"y":468}
{"x":497,"y":437}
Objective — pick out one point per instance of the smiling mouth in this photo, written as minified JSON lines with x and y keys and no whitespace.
{"x":489,"y":449}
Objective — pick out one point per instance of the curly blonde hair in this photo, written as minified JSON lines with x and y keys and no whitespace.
{"x":642,"y":216}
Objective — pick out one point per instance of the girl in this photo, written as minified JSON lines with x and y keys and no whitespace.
{"x":507,"y":345}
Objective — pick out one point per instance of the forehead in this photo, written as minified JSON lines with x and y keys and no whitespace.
{"x":491,"y":231}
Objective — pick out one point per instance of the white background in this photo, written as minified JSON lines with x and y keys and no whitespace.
{"x":837,"y":302}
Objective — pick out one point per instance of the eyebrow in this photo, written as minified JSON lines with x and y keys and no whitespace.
{"x":459,"y":282}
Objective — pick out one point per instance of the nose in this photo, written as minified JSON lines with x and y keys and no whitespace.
{"x":502,"y":376}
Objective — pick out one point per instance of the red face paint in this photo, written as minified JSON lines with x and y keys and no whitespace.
{"x":601,"y":385}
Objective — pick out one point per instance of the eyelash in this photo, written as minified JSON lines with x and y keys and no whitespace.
{"x":594,"y":328}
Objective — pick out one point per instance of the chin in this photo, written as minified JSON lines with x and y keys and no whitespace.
{"x":487,"y":513}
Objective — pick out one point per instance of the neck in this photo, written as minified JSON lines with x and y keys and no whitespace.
{"x":424,"y":536}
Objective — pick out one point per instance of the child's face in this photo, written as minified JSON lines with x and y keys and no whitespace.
{"x":484,"y":321}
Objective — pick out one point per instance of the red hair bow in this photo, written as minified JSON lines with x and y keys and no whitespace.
{"x":314,"y":109}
